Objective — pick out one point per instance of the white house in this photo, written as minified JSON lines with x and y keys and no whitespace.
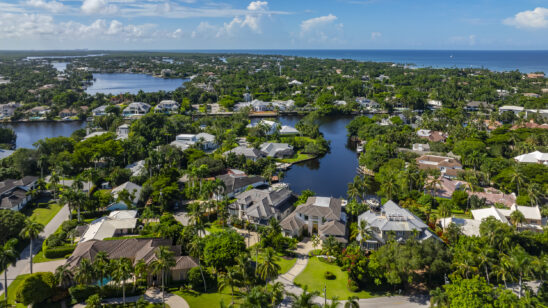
{"x":535,"y":157}
{"x":99,"y":111}
{"x":116,"y":224}
{"x":133,"y":189}
{"x":167,"y":106}
{"x":136,"y":109}
{"x":532,"y":215}
{"x":185,"y":141}
{"x":122,"y":131}
{"x":514,"y":109}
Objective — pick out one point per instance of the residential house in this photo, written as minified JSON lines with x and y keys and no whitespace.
{"x":324,"y":216}
{"x":275,"y":126}
{"x":423,"y":147}
{"x":448,"y":166}
{"x":248,"y":153}
{"x":286,"y":130}
{"x":133,"y":189}
{"x":137,"y":168}
{"x":136,"y":109}
{"x":117,"y":223}
{"x":258,"y":206}
{"x":434,"y":104}
{"x":535,"y":157}
{"x":392,"y":221}
{"x":469,"y":227}
{"x":38,"y":111}
{"x":477,"y":106}
{"x":204,"y":140}
{"x":277,"y":150}
{"x":530,"y":124}
{"x":94,"y":134}
{"x":339,"y":103}
{"x":7,"y":110}
{"x":533,"y":95}
{"x":122,"y":131}
{"x":135,"y":249}
{"x":432,"y":136}
{"x":295,"y":83}
{"x":167,"y":106}
{"x":534,"y":75}
{"x":14,"y":193}
{"x":514,"y":109}
{"x":533,"y":217}
{"x":99,"y":111}
{"x":541,"y":112}
{"x":237,"y":183}
{"x":367,"y":103}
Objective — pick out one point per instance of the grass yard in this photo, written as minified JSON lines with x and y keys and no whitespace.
{"x":44,"y":215}
{"x":39,"y":258}
{"x":12,"y":289}
{"x":297,"y":158}
{"x":313,"y":277}
{"x":214,"y":228}
{"x":284,"y":263}
{"x":206,"y":300}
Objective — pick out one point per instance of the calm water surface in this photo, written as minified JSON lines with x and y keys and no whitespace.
{"x":30,"y":132}
{"x":120,"y":83}
{"x":329,"y":175}
{"x":60,"y":66}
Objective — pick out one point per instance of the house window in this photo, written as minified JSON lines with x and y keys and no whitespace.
{"x":305,"y":217}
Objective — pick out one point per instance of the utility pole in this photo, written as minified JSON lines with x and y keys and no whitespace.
{"x":325,"y":294}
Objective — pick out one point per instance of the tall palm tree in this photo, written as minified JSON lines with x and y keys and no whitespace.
{"x":484,"y":260}
{"x":63,"y":276}
{"x":334,"y":303}
{"x":520,"y":261}
{"x":516,"y":177}
{"x":163,"y":263}
{"x":8,"y":256}
{"x":85,"y":272}
{"x":30,"y":231}
{"x":122,"y":271}
{"x":277,"y":292}
{"x":363,"y":231}
{"x":535,"y":193}
{"x":433,"y":184}
{"x":229,"y":280}
{"x":503,"y":270}
{"x":195,"y":249}
{"x":101,"y":266}
{"x":54,"y":183}
{"x":268,"y":268}
{"x":438,"y":298}
{"x":305,"y":299}
{"x":140,"y":270}
{"x":517,"y":218}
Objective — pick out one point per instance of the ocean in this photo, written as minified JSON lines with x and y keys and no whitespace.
{"x":526,"y":61}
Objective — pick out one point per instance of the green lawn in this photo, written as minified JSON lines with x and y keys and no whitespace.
{"x":313,"y":277}
{"x":39,"y":258}
{"x":12,"y":288}
{"x":44,"y":215}
{"x":297,"y":158}
{"x":284,"y":263}
{"x":214,"y":228}
{"x":206,"y":300}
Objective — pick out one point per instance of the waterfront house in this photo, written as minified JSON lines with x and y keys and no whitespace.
{"x":237,"y":183}
{"x":135,"y":249}
{"x":286,"y":130}
{"x":535,"y":157}
{"x":14,"y":193}
{"x":117,"y":223}
{"x":448,"y":166}
{"x":167,"y":106}
{"x":324,"y":216}
{"x":432,"y":136}
{"x":7,"y":110}
{"x":392,"y":221}
{"x":367,"y":103}
{"x":277,"y":150}
{"x":248,"y":153}
{"x":205,"y":141}
{"x":136,"y":109}
{"x":38,"y":111}
{"x":258,"y":206}
{"x":99,"y":111}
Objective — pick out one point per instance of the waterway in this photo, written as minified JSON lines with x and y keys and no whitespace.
{"x":30,"y":132}
{"x":120,"y":83}
{"x":330,"y":174}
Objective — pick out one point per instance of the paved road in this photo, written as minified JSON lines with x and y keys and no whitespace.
{"x":23,"y":264}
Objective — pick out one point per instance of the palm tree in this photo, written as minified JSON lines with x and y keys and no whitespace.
{"x":85,"y":272}
{"x":8,"y":256}
{"x":444,"y":210}
{"x":122,"y":270}
{"x":140,"y":270}
{"x":316,"y":241}
{"x":520,"y":261}
{"x":363,"y":231}
{"x":304,"y":300}
{"x":517,"y":218}
{"x":30,"y":231}
{"x":352,"y":302}
{"x":277,"y":292}
{"x":438,"y":298}
{"x":229,"y":279}
{"x":195,"y":249}
{"x":54,"y":182}
{"x":334,"y":303}
{"x":433,"y":184}
{"x":101,"y":266}
{"x":63,"y":275}
{"x":516,"y":177}
{"x":484,"y":259}
{"x":534,"y":192}
{"x":503,"y":270}
{"x":163,"y":263}
{"x":269,"y":269}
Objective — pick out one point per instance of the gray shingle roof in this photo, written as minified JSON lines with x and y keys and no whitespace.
{"x":235,"y":182}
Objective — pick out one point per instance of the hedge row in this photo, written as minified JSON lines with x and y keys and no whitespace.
{"x":58,"y":252}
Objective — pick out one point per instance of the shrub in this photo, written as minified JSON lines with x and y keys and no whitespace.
{"x":80,"y":292}
{"x":329,"y":275}
{"x":196,"y":281}
{"x":353,"y":286}
{"x":36,"y":288}
{"x":58,"y":252}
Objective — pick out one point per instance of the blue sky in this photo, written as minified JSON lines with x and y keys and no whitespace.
{"x":273,"y":24}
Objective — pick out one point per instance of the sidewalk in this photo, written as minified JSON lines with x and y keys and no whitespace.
{"x":23,"y":264}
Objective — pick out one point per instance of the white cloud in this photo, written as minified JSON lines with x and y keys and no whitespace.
{"x":321,"y":29}
{"x":98,"y":7}
{"x":463,"y":40}
{"x":52,"y":6}
{"x":375,"y":35}
{"x":535,"y":19}
{"x":258,"y":6}
{"x":177,"y":33}
{"x":204,"y":30}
